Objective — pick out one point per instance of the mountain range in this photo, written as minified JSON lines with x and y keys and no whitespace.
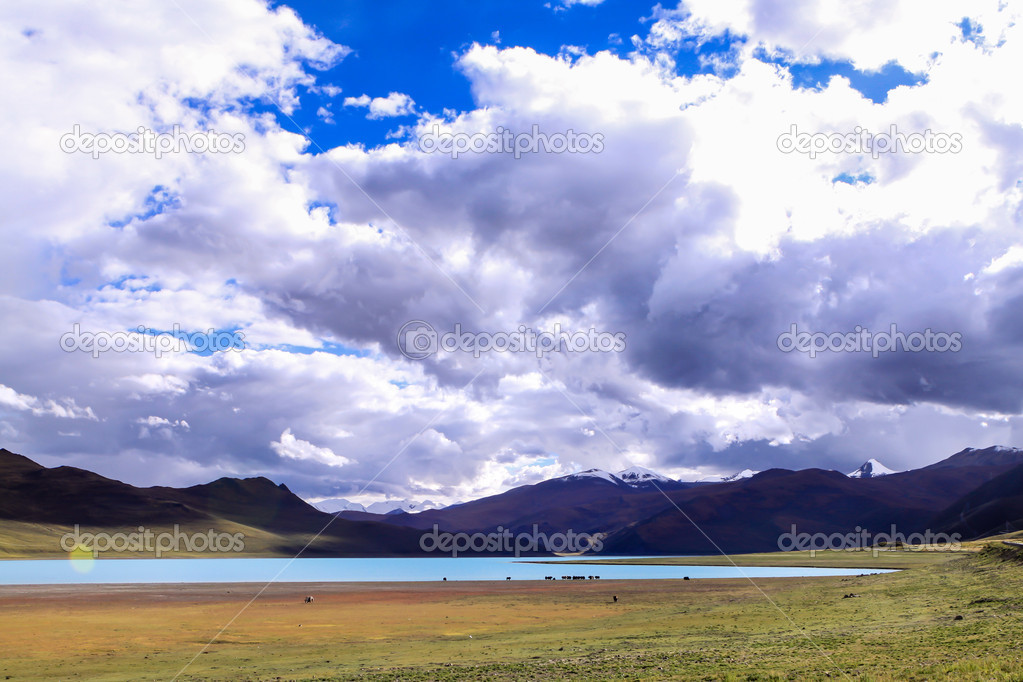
{"x":975,"y":492}
{"x":636,"y":477}
{"x":642,"y":512}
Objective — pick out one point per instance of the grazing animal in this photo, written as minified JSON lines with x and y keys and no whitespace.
{"x":615,"y":598}
{"x":308,"y":600}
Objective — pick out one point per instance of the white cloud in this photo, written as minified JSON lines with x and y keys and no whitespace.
{"x":869,"y":34}
{"x":291,"y":447}
{"x":325,"y":114}
{"x":161,"y":421}
{"x":395,"y":104}
{"x":65,"y":408}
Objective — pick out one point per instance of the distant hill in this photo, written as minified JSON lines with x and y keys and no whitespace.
{"x":65,"y":496}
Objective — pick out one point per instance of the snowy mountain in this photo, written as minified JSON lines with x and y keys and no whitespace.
{"x":633,"y":477}
{"x":636,"y":474}
{"x":871,"y":469}
{"x":593,"y":473}
{"x":383,"y":507}
{"x":398,"y":506}
{"x":335,"y":505}
{"x":745,"y":473}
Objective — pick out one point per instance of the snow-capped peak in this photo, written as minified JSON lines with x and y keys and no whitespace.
{"x":637,"y":474}
{"x":871,"y":469}
{"x":594,"y":473}
{"x":633,"y":477}
{"x":745,"y":473}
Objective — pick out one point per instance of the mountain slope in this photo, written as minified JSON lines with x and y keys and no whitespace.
{"x":992,"y":508}
{"x":995,"y":456}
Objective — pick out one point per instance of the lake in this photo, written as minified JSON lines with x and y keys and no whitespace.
{"x":88,"y":571}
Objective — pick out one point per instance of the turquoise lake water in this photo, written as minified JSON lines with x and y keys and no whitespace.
{"x":66,"y":571}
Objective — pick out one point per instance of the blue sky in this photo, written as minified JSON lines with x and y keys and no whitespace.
{"x":412,"y":47}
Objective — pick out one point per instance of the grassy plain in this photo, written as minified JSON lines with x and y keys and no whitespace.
{"x":899,"y":626}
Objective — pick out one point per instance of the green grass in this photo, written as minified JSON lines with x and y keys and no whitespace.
{"x":21,"y":540}
{"x":865,"y":559}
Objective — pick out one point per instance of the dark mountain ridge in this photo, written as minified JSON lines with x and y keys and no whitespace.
{"x":66,"y":496}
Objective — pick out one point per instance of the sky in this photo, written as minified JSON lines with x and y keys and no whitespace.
{"x":701,"y":193}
